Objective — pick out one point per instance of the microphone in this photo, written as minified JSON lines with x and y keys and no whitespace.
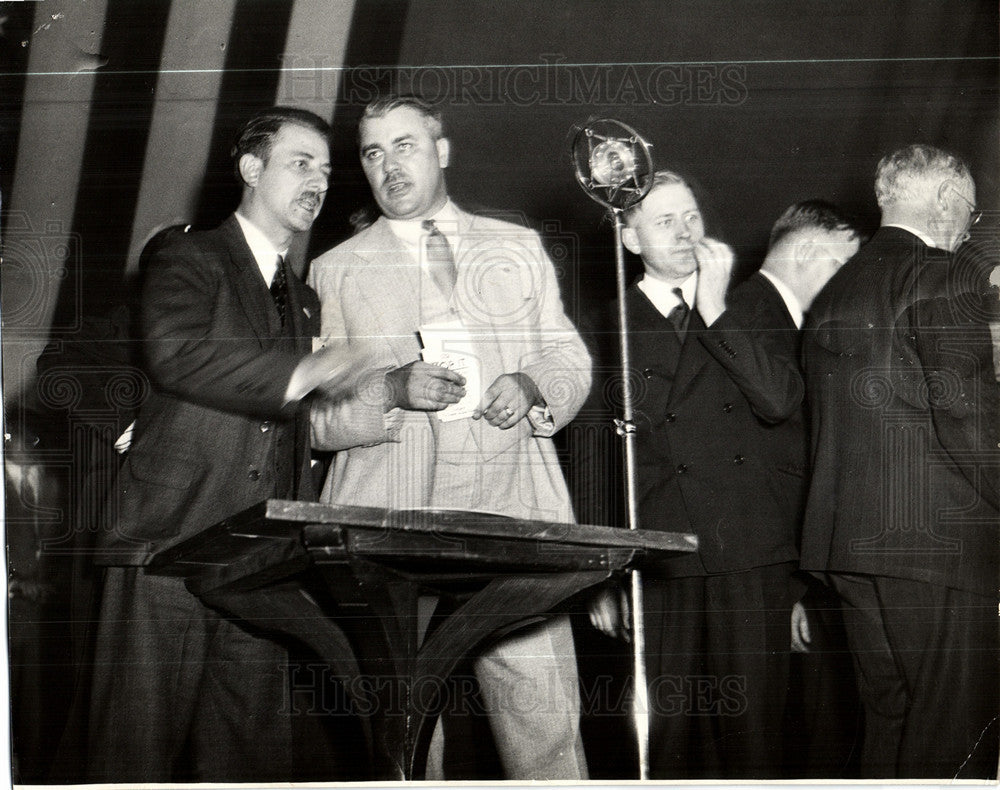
{"x":612,"y":162}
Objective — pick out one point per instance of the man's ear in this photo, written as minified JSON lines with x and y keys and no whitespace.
{"x":250,"y":167}
{"x":631,"y":241}
{"x":804,"y":251}
{"x":944,"y":196}
{"x":444,"y":151}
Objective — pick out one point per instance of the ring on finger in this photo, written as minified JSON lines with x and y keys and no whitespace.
{"x":508,"y":411}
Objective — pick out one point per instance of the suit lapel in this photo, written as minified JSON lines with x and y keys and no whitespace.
{"x":303,"y":325}
{"x":246,"y":279}
{"x":389,"y":281}
{"x":489,"y":345}
{"x":693,"y":357}
{"x":770,"y":303}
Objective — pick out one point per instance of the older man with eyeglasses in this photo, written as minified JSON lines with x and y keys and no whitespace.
{"x":902,"y":514}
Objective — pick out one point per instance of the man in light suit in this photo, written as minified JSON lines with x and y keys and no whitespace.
{"x":427,"y":263}
{"x":720,"y":453}
{"x":902,"y":512}
{"x":182,"y":693}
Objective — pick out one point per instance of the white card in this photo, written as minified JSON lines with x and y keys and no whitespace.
{"x":450,"y":345}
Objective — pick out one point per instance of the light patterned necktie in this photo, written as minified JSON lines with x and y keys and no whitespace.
{"x":440,"y":261}
{"x":279,"y":289}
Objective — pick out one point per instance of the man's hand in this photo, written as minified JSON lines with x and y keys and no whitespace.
{"x":508,"y":399}
{"x":715,"y":267}
{"x":421,"y":386}
{"x":800,"y":629}
{"x":608,"y":609}
{"x":333,"y":369}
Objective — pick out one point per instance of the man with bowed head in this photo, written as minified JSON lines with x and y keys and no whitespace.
{"x":902,"y":516}
{"x":425,"y":269}
{"x":721,"y":453}
{"x":181,"y":692}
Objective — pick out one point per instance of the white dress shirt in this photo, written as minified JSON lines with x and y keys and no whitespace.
{"x":662,"y":295}
{"x":413,"y":235}
{"x":791,"y":301}
{"x":264,"y":252}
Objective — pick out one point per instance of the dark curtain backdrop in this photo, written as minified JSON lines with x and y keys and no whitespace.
{"x":760,"y":103}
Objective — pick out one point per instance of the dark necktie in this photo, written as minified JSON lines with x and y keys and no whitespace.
{"x":440,"y":261}
{"x":678,"y":317}
{"x":279,"y":289}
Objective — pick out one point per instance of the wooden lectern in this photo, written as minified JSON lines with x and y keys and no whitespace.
{"x":497,"y":573}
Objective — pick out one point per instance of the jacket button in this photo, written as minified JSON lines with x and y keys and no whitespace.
{"x":739,"y":459}
{"x":254,"y":474}
{"x":728,"y":407}
{"x":670,"y":416}
{"x":682,"y":469}
{"x":265,"y":426}
{"x":648,"y":373}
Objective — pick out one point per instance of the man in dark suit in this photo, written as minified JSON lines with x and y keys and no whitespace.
{"x":721,"y":453}
{"x":181,"y":692}
{"x":903,"y":509}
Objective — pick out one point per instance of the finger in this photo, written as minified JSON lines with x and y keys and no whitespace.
{"x":450,"y":392}
{"x":804,"y":633}
{"x":500,"y":417}
{"x":502,"y":408}
{"x":623,"y":602}
{"x":511,"y":417}
{"x":487,"y":401}
{"x":443,"y":374}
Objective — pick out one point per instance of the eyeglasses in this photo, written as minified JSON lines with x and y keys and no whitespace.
{"x":974,"y":213}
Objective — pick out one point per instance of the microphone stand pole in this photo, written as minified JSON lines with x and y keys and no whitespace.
{"x":610,"y":156}
{"x":626,"y":429}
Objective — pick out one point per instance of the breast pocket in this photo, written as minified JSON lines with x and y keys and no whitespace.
{"x":499,"y":291}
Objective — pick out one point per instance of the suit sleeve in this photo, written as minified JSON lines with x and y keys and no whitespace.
{"x":561,"y":365}
{"x":954,"y":356}
{"x":197,"y":343}
{"x":359,"y":420}
{"x":760,"y":353}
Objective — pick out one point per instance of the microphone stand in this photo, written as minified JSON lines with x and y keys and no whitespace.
{"x":625,"y":428}
{"x":611,"y":163}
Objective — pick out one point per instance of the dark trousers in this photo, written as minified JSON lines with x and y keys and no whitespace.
{"x":717,"y":658}
{"x":926,"y":666}
{"x":182,"y":693}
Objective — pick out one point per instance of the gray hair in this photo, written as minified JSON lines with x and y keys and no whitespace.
{"x":911,"y":173}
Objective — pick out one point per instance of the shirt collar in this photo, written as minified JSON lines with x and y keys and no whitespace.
{"x":264,"y":252}
{"x":662,"y":295}
{"x":412,"y":233}
{"x":791,"y":301}
{"x":918,"y":233}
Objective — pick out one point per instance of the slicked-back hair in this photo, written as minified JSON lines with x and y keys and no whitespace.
{"x":393,"y":101}
{"x":257,"y":135}
{"x":912,"y":173}
{"x":808,"y":214}
{"x":660,"y":178}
